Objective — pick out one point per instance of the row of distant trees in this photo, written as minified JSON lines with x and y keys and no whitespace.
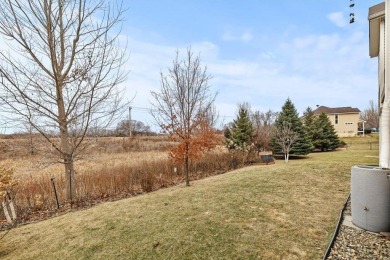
{"x":122,"y":129}
{"x":136,"y":127}
{"x":284,"y":132}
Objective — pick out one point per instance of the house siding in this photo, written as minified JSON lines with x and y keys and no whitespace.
{"x":347,"y":124}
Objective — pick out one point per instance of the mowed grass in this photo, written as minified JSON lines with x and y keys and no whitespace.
{"x":281,"y":211}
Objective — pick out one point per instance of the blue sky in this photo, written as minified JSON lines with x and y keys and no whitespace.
{"x":261,"y":52}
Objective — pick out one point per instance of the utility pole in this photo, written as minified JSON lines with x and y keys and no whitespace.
{"x":130,"y":135}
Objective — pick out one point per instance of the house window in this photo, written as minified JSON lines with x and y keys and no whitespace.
{"x":336,"y":119}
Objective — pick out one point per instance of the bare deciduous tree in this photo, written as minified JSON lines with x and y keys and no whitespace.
{"x":184,"y":103}
{"x":262,"y":129}
{"x":285,"y":137}
{"x":371,"y":116}
{"x":62,"y":68}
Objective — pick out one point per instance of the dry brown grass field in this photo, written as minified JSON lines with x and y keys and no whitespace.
{"x":104,"y":152}
{"x":111,"y":168}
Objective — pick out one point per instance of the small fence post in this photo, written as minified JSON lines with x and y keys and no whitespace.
{"x":7,"y":203}
{"x":11,"y":206}
{"x":55,"y":191}
{"x":6,"y":213}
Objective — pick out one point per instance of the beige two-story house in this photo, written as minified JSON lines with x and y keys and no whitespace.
{"x":344,"y":119}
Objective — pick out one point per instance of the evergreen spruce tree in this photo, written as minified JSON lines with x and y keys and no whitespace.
{"x":240,"y":133}
{"x":228,"y":136}
{"x":333,"y":136}
{"x":324,"y":136}
{"x":289,"y":115}
{"x":308,"y":122}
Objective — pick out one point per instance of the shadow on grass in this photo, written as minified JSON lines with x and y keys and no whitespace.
{"x":291,"y":157}
{"x":303,"y":157}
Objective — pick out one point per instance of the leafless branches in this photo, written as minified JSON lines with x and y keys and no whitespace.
{"x":184,"y":101}
{"x":371,"y":115}
{"x":62,"y":68}
{"x":263,"y":126}
{"x":285,"y":137}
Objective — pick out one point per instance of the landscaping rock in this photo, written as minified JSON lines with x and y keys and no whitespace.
{"x":352,"y":243}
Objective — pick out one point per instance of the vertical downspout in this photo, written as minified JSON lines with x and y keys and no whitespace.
{"x":381,"y":77}
{"x":384,"y":152}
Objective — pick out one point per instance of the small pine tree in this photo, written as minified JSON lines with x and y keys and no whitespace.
{"x":228,"y":136}
{"x":289,"y":115}
{"x":324,"y":135}
{"x":308,"y":122}
{"x":240,"y":133}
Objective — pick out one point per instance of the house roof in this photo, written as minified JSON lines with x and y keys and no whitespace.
{"x":376,"y":11}
{"x":375,"y":14}
{"x":336,"y":110}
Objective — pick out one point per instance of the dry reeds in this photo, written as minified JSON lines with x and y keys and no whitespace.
{"x":35,"y":197}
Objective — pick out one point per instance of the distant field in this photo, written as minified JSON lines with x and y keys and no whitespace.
{"x":281,"y":211}
{"x":103,"y":152}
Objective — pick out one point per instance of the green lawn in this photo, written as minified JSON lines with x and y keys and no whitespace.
{"x":281,"y":211}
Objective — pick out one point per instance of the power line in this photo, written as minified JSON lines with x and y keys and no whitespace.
{"x":143,"y":108}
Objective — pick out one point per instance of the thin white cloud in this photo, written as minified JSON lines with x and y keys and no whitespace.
{"x":267,"y":55}
{"x":241,"y":37}
{"x":337,"y":18}
{"x":303,"y":42}
{"x":246,"y":37}
{"x":328,"y":42}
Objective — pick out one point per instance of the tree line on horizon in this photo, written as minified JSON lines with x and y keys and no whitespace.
{"x":280,"y":132}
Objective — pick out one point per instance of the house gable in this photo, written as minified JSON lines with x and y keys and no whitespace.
{"x":375,"y":14}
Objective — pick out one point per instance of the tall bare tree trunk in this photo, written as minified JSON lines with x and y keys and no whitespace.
{"x":186,"y":165}
{"x":66,"y":149}
{"x":70,"y":186}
